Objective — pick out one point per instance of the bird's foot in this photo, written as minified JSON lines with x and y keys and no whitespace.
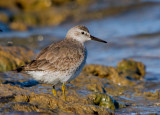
{"x":54,"y":91}
{"x":63,"y":89}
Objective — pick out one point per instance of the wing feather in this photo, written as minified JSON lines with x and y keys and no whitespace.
{"x":58,"y":57}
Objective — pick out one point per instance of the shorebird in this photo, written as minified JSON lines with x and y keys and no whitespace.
{"x":63,"y":61}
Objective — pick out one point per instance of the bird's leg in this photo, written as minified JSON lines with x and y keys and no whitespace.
{"x":54,"y":91}
{"x":63,"y":89}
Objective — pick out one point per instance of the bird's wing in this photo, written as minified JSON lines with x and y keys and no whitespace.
{"x":57,"y":58}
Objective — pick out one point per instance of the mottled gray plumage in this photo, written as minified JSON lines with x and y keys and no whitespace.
{"x":60,"y":56}
{"x":61,"y":61}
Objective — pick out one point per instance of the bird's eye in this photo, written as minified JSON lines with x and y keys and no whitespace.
{"x":82,"y":32}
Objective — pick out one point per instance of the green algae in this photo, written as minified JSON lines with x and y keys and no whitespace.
{"x":105,"y":100}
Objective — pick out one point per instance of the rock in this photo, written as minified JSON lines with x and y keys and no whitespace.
{"x":109,"y":73}
{"x":24,"y":14}
{"x":126,"y":72}
{"x":13,"y":56}
{"x":131,"y":69}
{"x":95,"y":87}
{"x":4,"y":18}
{"x":18,"y":26}
{"x":14,"y":99}
{"x":149,"y":95}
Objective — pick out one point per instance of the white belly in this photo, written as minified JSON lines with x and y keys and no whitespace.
{"x":50,"y":77}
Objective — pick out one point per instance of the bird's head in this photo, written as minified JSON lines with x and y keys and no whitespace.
{"x":81,"y":34}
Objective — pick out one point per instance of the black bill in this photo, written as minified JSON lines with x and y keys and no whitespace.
{"x":97,"y":39}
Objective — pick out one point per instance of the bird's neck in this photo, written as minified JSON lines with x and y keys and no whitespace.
{"x":76,"y":40}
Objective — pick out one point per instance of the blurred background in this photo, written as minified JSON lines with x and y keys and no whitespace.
{"x":131,"y":27}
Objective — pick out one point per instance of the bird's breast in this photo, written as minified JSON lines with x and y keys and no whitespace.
{"x":79,"y":66}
